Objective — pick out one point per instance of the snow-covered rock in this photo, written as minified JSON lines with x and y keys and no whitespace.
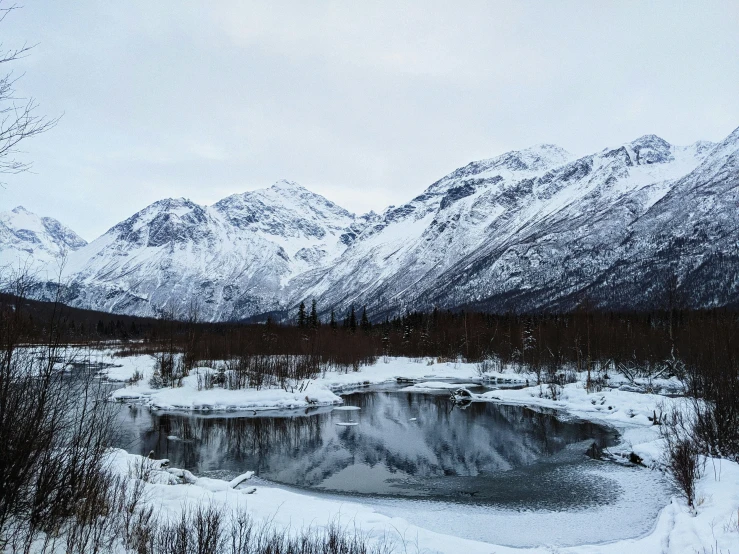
{"x":26,"y":238}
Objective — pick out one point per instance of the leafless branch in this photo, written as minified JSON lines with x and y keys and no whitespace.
{"x":19,"y":118}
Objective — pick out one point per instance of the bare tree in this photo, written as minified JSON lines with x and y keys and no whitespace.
{"x":19,"y":119}
{"x":54,"y":426}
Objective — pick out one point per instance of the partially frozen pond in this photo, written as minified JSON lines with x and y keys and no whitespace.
{"x":415,"y":455}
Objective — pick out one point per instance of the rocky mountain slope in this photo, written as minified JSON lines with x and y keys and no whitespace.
{"x":526,"y":231}
{"x":643,"y":224}
{"x":226,"y":261}
{"x":685,"y":249}
{"x":27,"y":240}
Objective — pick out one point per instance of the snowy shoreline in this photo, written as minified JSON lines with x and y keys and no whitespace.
{"x":676,"y":529}
{"x":322,"y":391}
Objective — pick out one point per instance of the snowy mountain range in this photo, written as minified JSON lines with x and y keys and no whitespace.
{"x":644,"y":224}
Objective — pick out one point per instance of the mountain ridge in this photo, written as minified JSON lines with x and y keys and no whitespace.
{"x":534,"y":229}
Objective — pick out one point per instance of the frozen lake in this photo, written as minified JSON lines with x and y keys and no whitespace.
{"x":417,"y":456}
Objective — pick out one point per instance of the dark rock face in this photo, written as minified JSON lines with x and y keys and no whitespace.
{"x":456,"y":193}
{"x":651,"y":149}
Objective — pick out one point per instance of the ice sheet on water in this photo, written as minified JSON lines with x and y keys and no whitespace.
{"x":642,"y":494}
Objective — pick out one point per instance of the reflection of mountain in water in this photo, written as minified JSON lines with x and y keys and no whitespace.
{"x":404,"y":443}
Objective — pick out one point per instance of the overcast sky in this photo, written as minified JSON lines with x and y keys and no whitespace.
{"x":367,"y":103}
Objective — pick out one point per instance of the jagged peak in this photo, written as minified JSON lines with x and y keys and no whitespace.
{"x":534,"y":158}
{"x":280,"y":188}
{"x":21,"y":216}
{"x":651,"y":149}
{"x":176,"y":206}
{"x":173,"y":204}
{"x":21,"y":219}
{"x":528,"y":162}
{"x":548,"y":148}
{"x":283,"y":195}
{"x":701,"y":144}
{"x":285,"y":184}
{"x":291,"y":190}
{"x":699,"y":148}
{"x":645,"y":150}
{"x":650,"y":140}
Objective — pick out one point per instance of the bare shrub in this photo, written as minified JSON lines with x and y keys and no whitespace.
{"x":682,"y":452}
{"x":714,"y":387}
{"x":135,"y":378}
{"x":54,"y":431}
{"x":488,"y":365}
{"x":208,"y":529}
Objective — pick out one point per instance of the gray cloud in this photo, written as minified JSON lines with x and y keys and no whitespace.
{"x":366,"y":103}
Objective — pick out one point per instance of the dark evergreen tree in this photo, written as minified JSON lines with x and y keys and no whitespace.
{"x":333,"y":323}
{"x":313,"y":315}
{"x":365,"y":324}
{"x":407,"y":331}
{"x":425,"y":339}
{"x":301,"y":315}
{"x":386,"y":337}
{"x":352,"y":319}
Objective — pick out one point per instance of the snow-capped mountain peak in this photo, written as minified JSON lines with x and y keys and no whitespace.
{"x":513,"y":165}
{"x":509,"y":226}
{"x":651,"y":149}
{"x":288,"y":186}
{"x":27,"y":236}
{"x":284,"y":209}
{"x":234,"y":257}
{"x":540,"y":157}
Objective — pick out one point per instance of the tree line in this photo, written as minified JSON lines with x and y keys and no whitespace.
{"x":668,"y":341}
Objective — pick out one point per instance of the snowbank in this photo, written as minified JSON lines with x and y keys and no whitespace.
{"x":631,"y":413}
{"x":317,"y":392}
{"x":188,"y":397}
{"x":677,"y":530}
{"x":124,"y":368}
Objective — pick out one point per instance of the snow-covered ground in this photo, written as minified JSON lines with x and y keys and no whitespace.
{"x":712,"y":527}
{"x":676,"y":531}
{"x":316,"y":392}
